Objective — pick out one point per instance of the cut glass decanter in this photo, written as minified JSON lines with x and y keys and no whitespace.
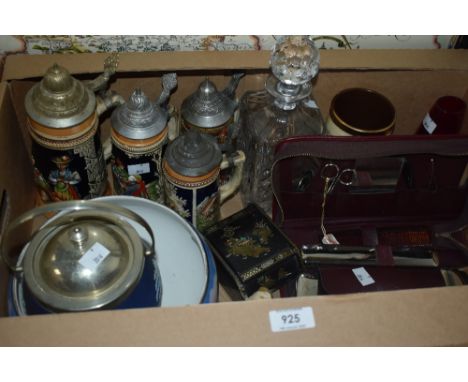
{"x":283,"y":109}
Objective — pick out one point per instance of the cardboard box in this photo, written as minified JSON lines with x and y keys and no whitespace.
{"x":412,"y":80}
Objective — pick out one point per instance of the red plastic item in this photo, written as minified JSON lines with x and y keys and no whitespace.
{"x":445,"y":117}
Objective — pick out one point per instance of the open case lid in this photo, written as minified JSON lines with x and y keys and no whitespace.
{"x":396,"y":180}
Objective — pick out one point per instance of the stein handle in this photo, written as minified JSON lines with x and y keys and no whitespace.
{"x":237,"y":160}
{"x":110,"y":67}
{"x":169,"y":83}
{"x":108,"y":100}
{"x":173,"y":124}
{"x":230,"y":89}
{"x":74,"y":205}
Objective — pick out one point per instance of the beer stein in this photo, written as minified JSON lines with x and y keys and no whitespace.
{"x":210,"y":111}
{"x":139,"y":132}
{"x":62,"y":118}
{"x":191,"y":167}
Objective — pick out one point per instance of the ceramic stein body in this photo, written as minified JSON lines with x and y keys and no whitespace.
{"x":191,"y":167}
{"x":210,"y":111}
{"x":139,"y":133}
{"x":62,"y":118}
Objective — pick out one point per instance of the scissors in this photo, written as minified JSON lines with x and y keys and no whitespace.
{"x":332,"y":174}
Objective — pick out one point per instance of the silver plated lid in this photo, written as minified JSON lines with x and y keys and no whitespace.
{"x":59,"y":100}
{"x":139,"y":118}
{"x":193,"y":154}
{"x":88,"y":260}
{"x":207,"y":107}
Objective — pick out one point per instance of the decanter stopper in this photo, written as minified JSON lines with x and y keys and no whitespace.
{"x":295,"y":60}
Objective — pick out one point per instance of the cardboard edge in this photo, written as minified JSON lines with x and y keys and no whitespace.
{"x":29,"y":66}
{"x":348,"y":320}
{"x":394,"y":59}
{"x":15,"y":160}
{"x":404,"y":318}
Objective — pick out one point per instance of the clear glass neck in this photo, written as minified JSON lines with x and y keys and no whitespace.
{"x":287,"y":96}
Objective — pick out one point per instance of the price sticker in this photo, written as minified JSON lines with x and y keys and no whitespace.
{"x":429,"y":124}
{"x":363,"y":276}
{"x":138,"y":169}
{"x":94,"y":256}
{"x":329,"y":238}
{"x":292,"y":319}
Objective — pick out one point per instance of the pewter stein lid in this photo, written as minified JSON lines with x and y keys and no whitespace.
{"x":84,"y":260}
{"x":207,"y":107}
{"x":139,"y":118}
{"x":59,"y":100}
{"x":193,"y":154}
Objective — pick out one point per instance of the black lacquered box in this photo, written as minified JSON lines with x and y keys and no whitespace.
{"x":253,"y":251}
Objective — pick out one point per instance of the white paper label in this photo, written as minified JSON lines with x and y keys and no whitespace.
{"x":138,"y":169}
{"x":94,"y":256}
{"x":363,"y":277}
{"x":329,"y":238}
{"x":429,"y":124}
{"x":292,"y":319}
{"x":310,"y":104}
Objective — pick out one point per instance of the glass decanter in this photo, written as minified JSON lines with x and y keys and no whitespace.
{"x":283,"y":109}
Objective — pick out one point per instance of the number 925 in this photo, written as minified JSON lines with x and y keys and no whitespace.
{"x":291,"y":318}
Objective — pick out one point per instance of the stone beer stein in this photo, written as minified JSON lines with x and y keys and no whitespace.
{"x":62,"y":118}
{"x":210,"y":111}
{"x":139,"y":132}
{"x":191,"y":167}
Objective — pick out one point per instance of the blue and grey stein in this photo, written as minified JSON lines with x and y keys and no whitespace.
{"x":139,"y":133}
{"x":191,"y":167}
